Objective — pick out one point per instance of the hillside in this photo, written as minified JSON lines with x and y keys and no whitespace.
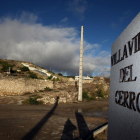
{"x":17,"y":68}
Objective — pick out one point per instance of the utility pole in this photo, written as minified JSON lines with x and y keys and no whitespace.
{"x":9,"y":70}
{"x":81,"y":66}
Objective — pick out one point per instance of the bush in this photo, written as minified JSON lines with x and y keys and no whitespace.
{"x":52,"y":72}
{"x":24,"y":69}
{"x":86,"y":97}
{"x":35,"y":96}
{"x":55,"y":79}
{"x":50,"y":77}
{"x":5,"y":66}
{"x":40,"y":78}
{"x":100,"y":93}
{"x":32,"y":75}
{"x":27,"y":93}
{"x":41,"y":90}
{"x":48,"y":89}
{"x":32,"y":101}
{"x":107,"y":80}
{"x":60,"y":74}
{"x":61,"y":80}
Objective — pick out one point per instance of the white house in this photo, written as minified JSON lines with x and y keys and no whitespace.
{"x":84,"y":78}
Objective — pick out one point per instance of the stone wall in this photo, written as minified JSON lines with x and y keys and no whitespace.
{"x":69,"y":83}
{"x":87,"y":81}
{"x":63,"y":84}
{"x":64,"y":97}
{"x":19,"y":86}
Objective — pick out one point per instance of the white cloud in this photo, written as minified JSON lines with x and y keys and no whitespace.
{"x":64,"y":19}
{"x":78,"y":7}
{"x":103,"y":53}
{"x":27,"y":16}
{"x":90,"y":46}
{"x":124,"y":16}
{"x":113,"y":25}
{"x":54,"y":47}
{"x":106,"y":40}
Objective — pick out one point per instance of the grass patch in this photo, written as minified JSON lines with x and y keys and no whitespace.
{"x":36,"y":96}
{"x":24,"y":68}
{"x":52,"y":72}
{"x":41,"y":90}
{"x":40,"y":78}
{"x":48,"y":89}
{"x":86,"y":96}
{"x":56,"y":79}
{"x":50,"y":77}
{"x":32,"y":75}
{"x":107,"y":80}
{"x":27,"y":93}
{"x":100,"y":93}
{"x":33,"y":100}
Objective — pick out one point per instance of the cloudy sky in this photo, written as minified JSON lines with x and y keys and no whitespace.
{"x":47,"y":32}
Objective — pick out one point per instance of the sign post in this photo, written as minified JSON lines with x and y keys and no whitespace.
{"x":124,"y":102}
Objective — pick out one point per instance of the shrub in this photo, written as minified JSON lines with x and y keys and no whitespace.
{"x":41,"y":90}
{"x":60,"y":74}
{"x":107,"y":80}
{"x":5,"y":65}
{"x":50,"y":77}
{"x":100,"y":93}
{"x":86,"y":97}
{"x":32,"y":75}
{"x":53,"y":79}
{"x":36,"y":96}
{"x":61,"y":80}
{"x":24,"y":68}
{"x":31,"y":101}
{"x":48,"y":89}
{"x":56,"y":79}
{"x":52,"y":72}
{"x":27,"y":93}
{"x":40,"y":78}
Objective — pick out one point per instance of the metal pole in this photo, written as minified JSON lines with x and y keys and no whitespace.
{"x":81,"y":67}
{"x":9,"y":70}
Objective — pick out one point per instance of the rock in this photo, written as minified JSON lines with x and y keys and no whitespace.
{"x":64,"y":97}
{"x":71,"y":79}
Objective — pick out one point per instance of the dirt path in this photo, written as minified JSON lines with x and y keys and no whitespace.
{"x":50,"y":122}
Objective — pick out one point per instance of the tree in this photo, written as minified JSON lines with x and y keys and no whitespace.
{"x":60,"y":74}
{"x":5,"y":66}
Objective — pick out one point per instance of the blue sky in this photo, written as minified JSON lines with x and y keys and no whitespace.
{"x":47,"y":32}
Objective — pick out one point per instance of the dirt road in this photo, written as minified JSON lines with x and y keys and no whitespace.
{"x":51,"y":122}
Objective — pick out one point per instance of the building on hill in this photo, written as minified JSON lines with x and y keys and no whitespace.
{"x":84,"y":78}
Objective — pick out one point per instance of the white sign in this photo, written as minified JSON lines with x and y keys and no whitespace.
{"x":124,"y":102}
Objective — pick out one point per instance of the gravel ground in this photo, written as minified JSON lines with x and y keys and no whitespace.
{"x":50,"y":122}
